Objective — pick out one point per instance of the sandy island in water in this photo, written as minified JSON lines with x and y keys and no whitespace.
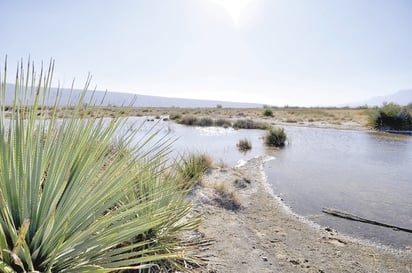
{"x":263,"y":235}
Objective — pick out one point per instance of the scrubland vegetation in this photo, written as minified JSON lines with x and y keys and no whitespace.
{"x":207,"y":122}
{"x":392,"y":117}
{"x":226,"y":117}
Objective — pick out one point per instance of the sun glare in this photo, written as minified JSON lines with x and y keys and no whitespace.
{"x":233,"y":7}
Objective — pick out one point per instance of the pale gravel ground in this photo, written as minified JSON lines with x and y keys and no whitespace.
{"x":264,"y":236}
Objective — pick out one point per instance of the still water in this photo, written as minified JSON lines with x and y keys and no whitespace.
{"x":366,"y":174}
{"x":218,"y":143}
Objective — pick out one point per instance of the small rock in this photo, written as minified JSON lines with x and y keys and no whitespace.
{"x":265,"y":259}
{"x":295,"y":262}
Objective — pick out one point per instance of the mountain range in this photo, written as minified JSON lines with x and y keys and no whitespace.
{"x":402,"y":97}
{"x":127,"y":99}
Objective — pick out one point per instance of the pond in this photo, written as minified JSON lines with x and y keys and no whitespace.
{"x":367,"y":174}
{"x":218,"y":143}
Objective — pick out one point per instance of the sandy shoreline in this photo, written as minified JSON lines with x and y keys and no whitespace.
{"x":263,"y":235}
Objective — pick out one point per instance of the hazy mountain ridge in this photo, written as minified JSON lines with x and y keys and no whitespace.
{"x":125,"y":99}
{"x":402,"y":97}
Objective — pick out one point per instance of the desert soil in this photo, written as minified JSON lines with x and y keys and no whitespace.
{"x":253,"y":231}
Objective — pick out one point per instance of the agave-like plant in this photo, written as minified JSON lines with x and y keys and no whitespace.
{"x":70,"y":202}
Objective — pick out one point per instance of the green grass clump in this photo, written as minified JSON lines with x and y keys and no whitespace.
{"x":391,"y":117}
{"x":275,"y":137}
{"x":244,"y":145}
{"x":72,"y":201}
{"x":268,"y":112}
{"x":192,"y":167}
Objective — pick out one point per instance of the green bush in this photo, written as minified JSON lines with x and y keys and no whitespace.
{"x":391,"y":117}
{"x":71,"y":201}
{"x":268,"y":112}
{"x":275,"y":137}
{"x":244,"y":145}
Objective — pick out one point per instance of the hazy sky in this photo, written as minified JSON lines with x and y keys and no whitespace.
{"x":307,"y":52}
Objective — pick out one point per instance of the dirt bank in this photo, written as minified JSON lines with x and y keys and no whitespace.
{"x":254,"y":232}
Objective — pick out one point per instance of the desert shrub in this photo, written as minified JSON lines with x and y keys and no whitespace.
{"x":189,"y":120}
{"x":71,"y":201}
{"x":175,"y":116}
{"x":391,"y":117}
{"x":192,"y":166}
{"x":244,"y":145}
{"x":223,"y":123}
{"x":275,"y":137}
{"x":249,"y":124}
{"x":205,"y":122}
{"x":267,"y":112}
{"x":194,"y":121}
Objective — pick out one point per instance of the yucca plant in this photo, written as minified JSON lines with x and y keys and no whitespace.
{"x":70,"y":202}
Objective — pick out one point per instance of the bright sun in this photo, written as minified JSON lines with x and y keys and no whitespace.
{"x":233,"y":7}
